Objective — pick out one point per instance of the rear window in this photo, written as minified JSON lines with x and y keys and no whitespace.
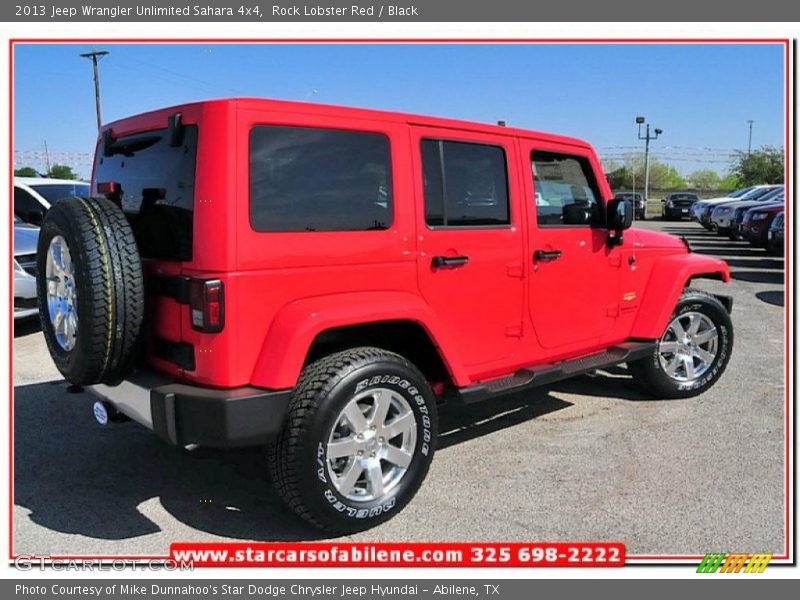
{"x":310,"y":179}
{"x":154,"y":183}
{"x":683,"y":197}
{"x":55,"y":192}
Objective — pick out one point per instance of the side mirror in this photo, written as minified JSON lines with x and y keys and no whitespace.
{"x":619,"y":217}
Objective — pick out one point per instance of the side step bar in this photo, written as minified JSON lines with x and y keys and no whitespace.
{"x":548,"y":373}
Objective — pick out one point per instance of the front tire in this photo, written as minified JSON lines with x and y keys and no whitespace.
{"x":693,"y":352}
{"x":359,"y":440}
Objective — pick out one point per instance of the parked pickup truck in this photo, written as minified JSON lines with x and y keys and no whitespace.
{"x":320,"y":279}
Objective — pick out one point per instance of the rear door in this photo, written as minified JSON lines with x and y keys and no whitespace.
{"x":574,"y":274}
{"x":470,"y":241}
{"x":153,"y":180}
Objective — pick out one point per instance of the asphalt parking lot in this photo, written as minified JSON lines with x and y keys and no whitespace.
{"x":589,"y":458}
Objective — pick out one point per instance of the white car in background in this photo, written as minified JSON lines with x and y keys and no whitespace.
{"x":34,"y":195}
{"x":701,"y":211}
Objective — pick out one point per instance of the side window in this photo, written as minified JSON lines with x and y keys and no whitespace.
{"x":25,"y":205}
{"x":565,"y":190}
{"x":308,"y":179}
{"x":465,"y":184}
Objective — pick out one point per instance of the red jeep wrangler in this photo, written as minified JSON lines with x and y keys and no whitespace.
{"x":318,"y":279}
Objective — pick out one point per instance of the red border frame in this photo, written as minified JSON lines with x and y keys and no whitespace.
{"x":631,"y":559}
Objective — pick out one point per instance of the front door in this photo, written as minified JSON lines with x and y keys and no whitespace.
{"x":470,"y":242}
{"x":573,"y":282}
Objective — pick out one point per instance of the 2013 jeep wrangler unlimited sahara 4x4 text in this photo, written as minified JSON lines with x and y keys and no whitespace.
{"x":317,"y":279}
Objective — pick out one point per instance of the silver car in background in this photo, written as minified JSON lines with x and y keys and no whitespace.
{"x":26,"y":237}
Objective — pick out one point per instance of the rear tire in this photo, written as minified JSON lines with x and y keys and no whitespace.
{"x":334,"y":462}
{"x":105,"y":301}
{"x":667,"y":372}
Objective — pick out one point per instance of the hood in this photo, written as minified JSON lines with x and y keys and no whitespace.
{"x":645,"y":238}
{"x":768,"y":207}
{"x":734,"y":204}
{"x":714,"y":201}
{"x":25,"y":239}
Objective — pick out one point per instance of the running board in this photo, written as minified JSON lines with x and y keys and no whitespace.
{"x":548,"y":373}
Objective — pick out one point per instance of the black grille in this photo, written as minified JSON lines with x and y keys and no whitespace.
{"x":25,"y":303}
{"x":27,"y":262}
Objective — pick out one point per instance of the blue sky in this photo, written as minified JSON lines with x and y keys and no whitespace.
{"x":700,"y":95}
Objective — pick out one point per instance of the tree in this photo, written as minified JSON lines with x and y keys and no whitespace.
{"x":765,"y":165}
{"x":631,"y":175}
{"x":61,"y":172}
{"x":730,"y":182}
{"x":704,"y":180}
{"x":26,"y":172}
{"x":665,"y":177}
{"x":619,"y":179}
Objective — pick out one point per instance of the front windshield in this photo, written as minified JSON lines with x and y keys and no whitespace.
{"x":772,"y":194}
{"x":756,"y":193}
{"x":740,"y":193}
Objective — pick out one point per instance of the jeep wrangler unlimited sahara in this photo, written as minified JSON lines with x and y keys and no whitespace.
{"x":317,"y":279}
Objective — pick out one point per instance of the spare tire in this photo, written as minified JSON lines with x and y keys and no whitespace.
{"x":91,"y":290}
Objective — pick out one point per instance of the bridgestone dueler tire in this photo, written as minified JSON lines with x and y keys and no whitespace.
{"x":650,"y":376}
{"x":109,"y":286}
{"x":298,"y":458}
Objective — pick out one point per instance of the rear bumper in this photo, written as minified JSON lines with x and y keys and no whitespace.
{"x":183,"y":414}
{"x":677,"y":213}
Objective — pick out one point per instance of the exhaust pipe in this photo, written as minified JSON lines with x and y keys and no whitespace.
{"x":105,"y":413}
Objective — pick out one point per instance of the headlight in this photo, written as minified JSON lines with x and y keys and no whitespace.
{"x":723,"y":211}
{"x":669,"y":204}
{"x":758,"y":216}
{"x":17,"y":267}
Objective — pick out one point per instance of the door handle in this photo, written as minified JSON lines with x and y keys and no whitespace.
{"x":449,"y":261}
{"x":546,"y":254}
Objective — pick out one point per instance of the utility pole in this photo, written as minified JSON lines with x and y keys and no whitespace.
{"x":750,"y":136}
{"x":95,"y":55}
{"x":647,"y":137}
{"x":46,"y":159}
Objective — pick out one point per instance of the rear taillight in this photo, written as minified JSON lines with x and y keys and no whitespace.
{"x":207,"y":305}
{"x":107,"y":188}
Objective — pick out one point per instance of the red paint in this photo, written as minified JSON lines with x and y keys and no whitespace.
{"x":500,"y":312}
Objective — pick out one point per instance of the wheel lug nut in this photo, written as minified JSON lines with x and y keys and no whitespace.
{"x":372,"y":455}
{"x":360,"y":453}
{"x":381,"y":440}
{"x":360,"y":436}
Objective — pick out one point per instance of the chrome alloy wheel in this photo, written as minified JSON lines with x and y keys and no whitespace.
{"x":371,"y":445}
{"x":688,"y":347}
{"x":62,"y":296}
